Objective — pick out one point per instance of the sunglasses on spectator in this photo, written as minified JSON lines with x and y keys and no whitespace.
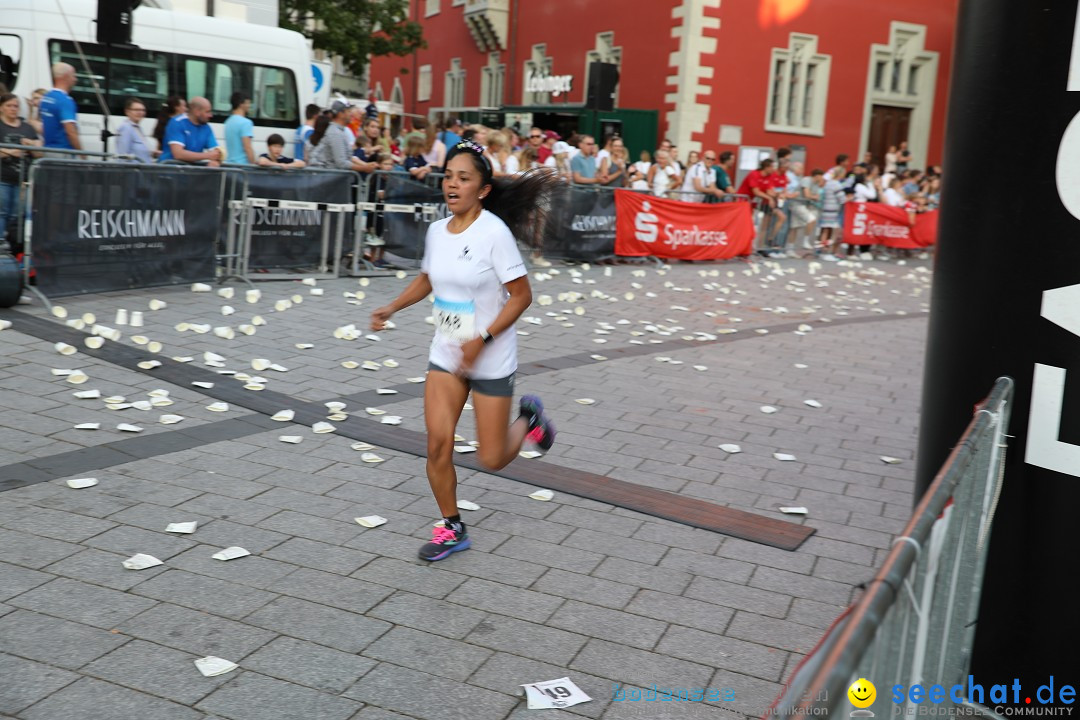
{"x":536,"y":136}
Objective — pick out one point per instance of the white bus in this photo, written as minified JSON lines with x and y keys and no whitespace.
{"x":177,"y":54}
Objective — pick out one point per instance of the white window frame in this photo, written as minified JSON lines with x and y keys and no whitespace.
{"x":457,"y":3}
{"x":906,"y":50}
{"x":423,"y":83}
{"x":431,"y":7}
{"x":493,"y":81}
{"x":803,"y":96}
{"x":454,"y":95}
{"x":538,"y":61}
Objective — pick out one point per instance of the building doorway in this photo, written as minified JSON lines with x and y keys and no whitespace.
{"x":889,"y":126}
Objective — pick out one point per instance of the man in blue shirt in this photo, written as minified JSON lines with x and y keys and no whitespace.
{"x":451,"y":136}
{"x":240,"y":132}
{"x":303,"y":132}
{"x":58,"y":111}
{"x":583,"y":165}
{"x":188,"y":138}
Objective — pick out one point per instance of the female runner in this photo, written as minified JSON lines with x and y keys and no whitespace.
{"x":472,"y":264}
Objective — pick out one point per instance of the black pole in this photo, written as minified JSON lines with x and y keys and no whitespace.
{"x":1006,"y":237}
{"x":105,"y":133}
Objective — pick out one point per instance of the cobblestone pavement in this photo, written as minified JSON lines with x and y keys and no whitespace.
{"x":327,"y":619}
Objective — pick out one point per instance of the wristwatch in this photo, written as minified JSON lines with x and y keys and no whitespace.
{"x":486,"y":336}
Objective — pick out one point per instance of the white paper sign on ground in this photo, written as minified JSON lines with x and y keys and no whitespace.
{"x":231,"y":553}
{"x":559,"y":693}
{"x":211,"y":666}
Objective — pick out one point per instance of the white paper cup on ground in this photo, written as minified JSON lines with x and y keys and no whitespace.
{"x":231,"y":553}
{"x":185,"y":528}
{"x":136,"y":318}
{"x":371,"y":521}
{"x":141,"y":561}
{"x":80,"y":483}
{"x":542,"y":495}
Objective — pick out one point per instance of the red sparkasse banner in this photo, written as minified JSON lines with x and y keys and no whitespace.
{"x":877,"y":224}
{"x":648,"y":225}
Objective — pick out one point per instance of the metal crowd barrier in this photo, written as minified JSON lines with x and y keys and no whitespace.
{"x":271,"y":220}
{"x":395,"y":210}
{"x":100,"y":226}
{"x":916,"y":622}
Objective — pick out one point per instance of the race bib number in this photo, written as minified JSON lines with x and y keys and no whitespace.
{"x":455,"y":320}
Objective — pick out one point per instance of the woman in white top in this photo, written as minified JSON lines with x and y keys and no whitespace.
{"x":870,"y":188}
{"x":472,"y":266}
{"x":662,"y":175}
{"x":500,"y":154}
{"x":639,"y":171}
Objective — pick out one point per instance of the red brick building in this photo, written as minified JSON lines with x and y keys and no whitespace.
{"x":823,"y":76}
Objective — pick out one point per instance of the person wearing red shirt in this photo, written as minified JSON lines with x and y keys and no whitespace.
{"x":764,"y":186}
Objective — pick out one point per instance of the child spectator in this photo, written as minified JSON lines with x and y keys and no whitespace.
{"x":273,"y":157}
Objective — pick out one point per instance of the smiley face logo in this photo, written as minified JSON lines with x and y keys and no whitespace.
{"x":862,"y":693}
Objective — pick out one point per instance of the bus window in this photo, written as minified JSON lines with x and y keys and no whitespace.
{"x":131,"y":73}
{"x":275,"y":96}
{"x":10,"y":53}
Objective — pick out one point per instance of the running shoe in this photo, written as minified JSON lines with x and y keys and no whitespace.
{"x":444,"y":541}
{"x":541,"y":429}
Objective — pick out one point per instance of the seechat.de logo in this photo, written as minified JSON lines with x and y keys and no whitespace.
{"x":1005,"y":699}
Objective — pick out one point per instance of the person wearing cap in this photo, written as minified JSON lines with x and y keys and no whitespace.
{"x":550,"y":138}
{"x":451,"y":136}
{"x":559,"y":158}
{"x":331,"y":148}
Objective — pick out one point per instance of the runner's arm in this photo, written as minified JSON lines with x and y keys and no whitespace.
{"x":417,"y":290}
{"x":520,"y":300}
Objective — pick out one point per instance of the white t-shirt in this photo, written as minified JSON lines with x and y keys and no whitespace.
{"x":662,"y":180}
{"x":892,"y":196}
{"x":643,"y":168}
{"x":865,"y":192}
{"x":706,"y":175}
{"x":467,"y":273}
{"x":600,"y":157}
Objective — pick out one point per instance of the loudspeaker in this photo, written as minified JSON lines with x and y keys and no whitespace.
{"x":114,"y":21}
{"x":603,"y":79}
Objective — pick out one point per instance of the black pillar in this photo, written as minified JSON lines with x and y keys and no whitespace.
{"x":1010,"y":231}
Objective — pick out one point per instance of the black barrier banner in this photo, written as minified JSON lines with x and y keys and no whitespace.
{"x":289,"y":237}
{"x":581,"y":225}
{"x":105,"y":226}
{"x":404,"y":233}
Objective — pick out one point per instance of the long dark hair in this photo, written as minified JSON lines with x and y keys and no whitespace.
{"x":168,"y":110}
{"x":520,"y":201}
{"x":321,"y":123}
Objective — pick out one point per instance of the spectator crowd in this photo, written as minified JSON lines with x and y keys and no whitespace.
{"x":798,"y":213}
